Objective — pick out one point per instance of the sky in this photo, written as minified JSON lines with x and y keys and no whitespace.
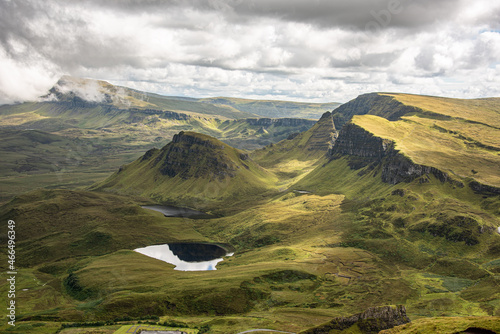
{"x":298,"y":50}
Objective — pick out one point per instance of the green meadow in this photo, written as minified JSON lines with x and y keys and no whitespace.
{"x":315,"y":236}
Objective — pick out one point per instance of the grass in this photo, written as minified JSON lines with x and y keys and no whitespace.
{"x":213,"y":172}
{"x":427,"y":145}
{"x":484,"y":111}
{"x":308,"y":256}
{"x":350,"y":243}
{"x":446,"y":325}
{"x":134,"y":329}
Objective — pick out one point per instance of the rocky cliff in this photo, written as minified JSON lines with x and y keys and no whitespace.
{"x":371,"y":321}
{"x":308,"y":145}
{"x":373,"y":104}
{"x":354,"y":141}
{"x":323,"y":135}
{"x":183,"y":155}
{"x":193,"y":168}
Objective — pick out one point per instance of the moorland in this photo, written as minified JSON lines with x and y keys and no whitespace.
{"x":389,"y":199}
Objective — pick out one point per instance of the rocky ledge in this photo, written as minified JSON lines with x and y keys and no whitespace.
{"x":193,"y":155}
{"x":371,"y":321}
{"x":355,"y":141}
{"x":192,"y":139}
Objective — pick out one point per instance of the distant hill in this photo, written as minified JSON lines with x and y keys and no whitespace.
{"x":275,"y":108}
{"x":77,"y":91}
{"x":193,"y":169}
{"x":110,"y":126}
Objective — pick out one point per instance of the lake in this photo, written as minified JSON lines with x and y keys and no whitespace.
{"x":187,"y":256}
{"x":175,"y":211}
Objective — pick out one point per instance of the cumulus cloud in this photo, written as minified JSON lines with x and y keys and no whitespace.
{"x":318,"y":50}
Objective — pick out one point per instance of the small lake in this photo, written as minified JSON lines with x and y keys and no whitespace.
{"x":175,"y":211}
{"x":187,"y":256}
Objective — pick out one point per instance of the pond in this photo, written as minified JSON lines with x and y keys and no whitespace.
{"x":175,"y":211}
{"x":187,"y":256}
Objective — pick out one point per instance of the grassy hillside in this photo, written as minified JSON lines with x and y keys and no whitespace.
{"x":293,"y":157}
{"x":317,"y":233}
{"x":464,"y":151}
{"x":193,"y":169}
{"x":101,"y":127}
{"x":300,"y":260}
{"x":274,"y":108}
{"x":459,"y":137}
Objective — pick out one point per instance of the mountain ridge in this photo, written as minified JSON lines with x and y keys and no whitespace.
{"x":194,"y":168}
{"x":381,"y":202}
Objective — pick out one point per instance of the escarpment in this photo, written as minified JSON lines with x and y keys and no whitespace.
{"x":185,"y":153}
{"x":374,"y":104}
{"x":323,"y":136}
{"x":354,"y":141}
{"x":371,"y":321}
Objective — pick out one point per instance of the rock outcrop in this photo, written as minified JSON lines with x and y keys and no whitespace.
{"x":371,"y":321}
{"x":323,"y":135}
{"x":355,"y":141}
{"x":373,"y":104}
{"x":182,"y":156}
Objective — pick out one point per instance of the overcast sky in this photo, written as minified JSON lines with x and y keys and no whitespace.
{"x":301,"y":50}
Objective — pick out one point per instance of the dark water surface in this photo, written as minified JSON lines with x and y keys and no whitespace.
{"x":187,"y":256}
{"x":175,"y":211}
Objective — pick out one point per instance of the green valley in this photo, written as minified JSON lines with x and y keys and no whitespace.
{"x":390,"y":199}
{"x":104,"y":127}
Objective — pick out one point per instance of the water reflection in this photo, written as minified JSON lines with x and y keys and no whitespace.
{"x":175,"y":211}
{"x":165,"y":253}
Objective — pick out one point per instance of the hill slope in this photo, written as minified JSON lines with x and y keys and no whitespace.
{"x":117,"y":125}
{"x":293,"y":157}
{"x":274,"y":108}
{"x":193,"y":169}
{"x":387,"y":218}
{"x":460,"y":138}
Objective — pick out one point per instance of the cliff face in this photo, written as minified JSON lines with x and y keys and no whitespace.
{"x":323,"y":135}
{"x":371,"y":321}
{"x":373,"y":104}
{"x":355,"y":141}
{"x":190,"y":155}
{"x":308,"y":145}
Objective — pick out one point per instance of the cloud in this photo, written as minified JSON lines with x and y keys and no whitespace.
{"x":319,"y":50}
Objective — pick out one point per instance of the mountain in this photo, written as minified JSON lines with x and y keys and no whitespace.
{"x":308,"y":145}
{"x":274,"y":108}
{"x":193,"y":169}
{"x":87,"y":92}
{"x":391,"y":199}
{"x":106,"y":126}
{"x":78,"y":91}
{"x":412,"y":136}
